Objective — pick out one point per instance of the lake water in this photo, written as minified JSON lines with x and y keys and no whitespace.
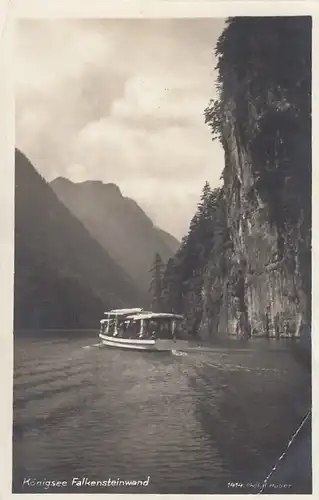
{"x":182,"y":423}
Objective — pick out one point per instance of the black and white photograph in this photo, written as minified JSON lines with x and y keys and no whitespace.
{"x":162,"y":255}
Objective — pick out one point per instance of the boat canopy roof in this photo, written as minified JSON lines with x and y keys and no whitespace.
{"x":148,"y":315}
{"x":120,"y":312}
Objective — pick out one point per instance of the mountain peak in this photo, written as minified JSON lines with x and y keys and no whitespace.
{"x":61,"y":179}
{"x":109,"y":188}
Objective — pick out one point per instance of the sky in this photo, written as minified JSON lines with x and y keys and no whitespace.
{"x":121,"y":101}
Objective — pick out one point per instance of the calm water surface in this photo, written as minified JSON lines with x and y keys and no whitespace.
{"x":192,"y":421}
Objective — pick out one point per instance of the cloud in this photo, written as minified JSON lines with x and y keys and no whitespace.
{"x":121,"y":101}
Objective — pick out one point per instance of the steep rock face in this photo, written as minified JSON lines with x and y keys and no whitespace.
{"x":263,"y":122}
{"x":118,"y":224}
{"x":269,"y":293}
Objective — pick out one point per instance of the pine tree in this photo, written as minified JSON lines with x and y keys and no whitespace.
{"x":156,"y":285}
{"x":203,"y":206}
{"x":171,"y":296}
{"x":184,"y":277}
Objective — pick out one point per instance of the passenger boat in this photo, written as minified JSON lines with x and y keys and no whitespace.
{"x":142,"y":330}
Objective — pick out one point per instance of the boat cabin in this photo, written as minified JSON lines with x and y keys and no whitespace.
{"x":114,"y":320}
{"x":139,"y":324}
{"x":152,"y":326}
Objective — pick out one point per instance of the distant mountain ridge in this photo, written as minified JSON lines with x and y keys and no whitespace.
{"x":118,"y":224}
{"x":63,"y":276}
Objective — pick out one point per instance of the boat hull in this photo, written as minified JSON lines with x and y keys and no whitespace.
{"x":140,"y":344}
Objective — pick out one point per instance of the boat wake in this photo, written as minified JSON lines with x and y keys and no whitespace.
{"x":99,"y":344}
{"x":179,"y":353}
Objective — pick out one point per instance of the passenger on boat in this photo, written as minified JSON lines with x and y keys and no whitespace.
{"x":126,"y":329}
{"x":131,"y":330}
{"x":153,"y":327}
{"x":112,"y":330}
{"x":149,"y":330}
{"x":122,"y":329}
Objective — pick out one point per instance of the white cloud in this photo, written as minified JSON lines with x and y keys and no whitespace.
{"x":121,"y":101}
{"x":50,"y":52}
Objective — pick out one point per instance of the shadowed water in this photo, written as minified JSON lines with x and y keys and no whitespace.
{"x":191,"y":422}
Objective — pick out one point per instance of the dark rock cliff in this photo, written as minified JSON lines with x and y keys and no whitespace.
{"x":262,"y":118}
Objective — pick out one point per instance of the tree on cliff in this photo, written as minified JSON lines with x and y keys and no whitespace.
{"x":156,"y":285}
{"x":185,"y":272}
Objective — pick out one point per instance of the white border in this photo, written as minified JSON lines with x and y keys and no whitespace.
{"x":9,"y":10}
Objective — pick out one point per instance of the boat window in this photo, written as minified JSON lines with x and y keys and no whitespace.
{"x":158,"y":328}
{"x":122,"y":327}
{"x":132,"y":329}
{"x":165,"y":329}
{"x":178,"y":327}
{"x":112,"y":324}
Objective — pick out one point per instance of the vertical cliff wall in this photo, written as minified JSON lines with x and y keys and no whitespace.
{"x":262,"y":118}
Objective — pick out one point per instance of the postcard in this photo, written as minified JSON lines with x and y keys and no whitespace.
{"x":157,"y":248}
